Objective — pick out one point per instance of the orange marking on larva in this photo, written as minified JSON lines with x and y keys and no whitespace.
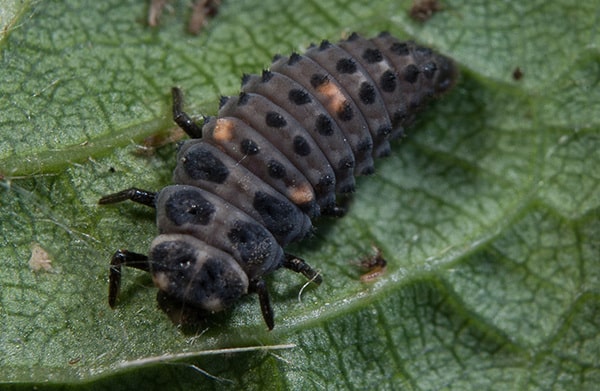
{"x":223,"y":130}
{"x":336,"y":100}
{"x":301,"y":194}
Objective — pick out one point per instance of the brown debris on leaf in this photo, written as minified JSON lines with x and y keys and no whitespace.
{"x":517,"y":74}
{"x":375,"y":265}
{"x":202,"y":10}
{"x":422,"y":10}
{"x":40,"y":259}
{"x":151,"y":143}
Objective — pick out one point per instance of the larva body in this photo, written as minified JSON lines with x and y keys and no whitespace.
{"x":253,"y":178}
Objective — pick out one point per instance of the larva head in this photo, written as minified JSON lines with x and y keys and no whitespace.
{"x":190,"y":271}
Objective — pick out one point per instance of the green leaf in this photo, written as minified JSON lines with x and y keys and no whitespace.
{"x":488,"y":213}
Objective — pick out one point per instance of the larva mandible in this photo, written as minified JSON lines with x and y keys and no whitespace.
{"x":251,"y":179}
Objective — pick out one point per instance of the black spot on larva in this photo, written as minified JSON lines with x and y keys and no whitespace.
{"x":325,"y":182}
{"x":367,"y":93}
{"x":299,"y":97}
{"x":266,"y":76}
{"x":276,"y":57}
{"x":318,"y":80}
{"x":398,"y":117}
{"x":201,"y":164}
{"x":188,"y":206}
{"x":245,"y":79}
{"x":323,"y":125}
{"x":346,"y":65}
{"x":372,"y":56}
{"x":176,"y":256}
{"x":411,"y":73}
{"x":275,"y":213}
{"x":347,"y":189}
{"x":387,"y":82}
{"x":345,"y":113}
{"x":243,"y":99}
{"x":222,"y":101}
{"x":400,"y":48}
{"x":353,"y":37}
{"x":301,"y":146}
{"x":252,"y":241}
{"x":294,"y":59}
{"x":325,"y":44}
{"x":368,"y":171}
{"x":423,"y":51}
{"x":365,"y":145}
{"x":384,"y":152}
{"x":276,"y":169}
{"x":275,"y":120}
{"x":384,"y":131}
{"x":346,"y":163}
{"x":429,"y":70}
{"x":215,"y":280}
{"x":249,"y":147}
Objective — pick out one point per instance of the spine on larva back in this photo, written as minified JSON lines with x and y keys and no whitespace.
{"x":275,"y":156}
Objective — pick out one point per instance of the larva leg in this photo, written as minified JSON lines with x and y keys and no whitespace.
{"x":120,"y":258}
{"x":181,"y":118}
{"x":334,"y":211}
{"x":260,"y":288}
{"x":134,"y":194}
{"x":298,"y":265}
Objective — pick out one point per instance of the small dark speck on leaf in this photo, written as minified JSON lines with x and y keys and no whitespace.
{"x":517,"y":74}
{"x":75,"y":360}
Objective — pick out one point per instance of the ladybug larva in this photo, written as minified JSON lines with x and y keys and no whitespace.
{"x":251,"y":179}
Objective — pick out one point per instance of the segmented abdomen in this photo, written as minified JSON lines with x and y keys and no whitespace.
{"x":300,"y":132}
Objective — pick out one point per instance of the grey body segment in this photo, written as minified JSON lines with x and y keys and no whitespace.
{"x":382,"y":72}
{"x":193,"y":272}
{"x":190,"y":210}
{"x":288,"y":136}
{"x":313,"y":117}
{"x":341,"y":107}
{"x":422,"y":74}
{"x":238,"y":140}
{"x":205,"y":166}
{"x":357,"y":83}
